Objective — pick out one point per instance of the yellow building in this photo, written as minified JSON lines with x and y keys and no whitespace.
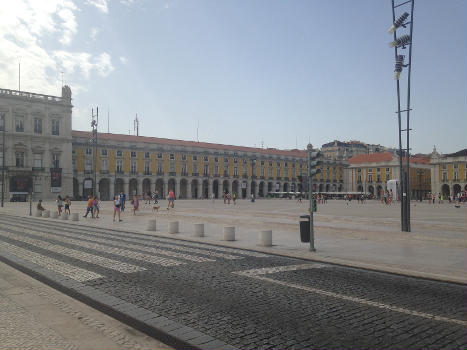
{"x":449,"y":173}
{"x":139,"y":164}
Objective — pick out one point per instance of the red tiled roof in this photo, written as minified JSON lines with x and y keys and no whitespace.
{"x":385,"y":157}
{"x":162,"y":141}
{"x":371,"y":158}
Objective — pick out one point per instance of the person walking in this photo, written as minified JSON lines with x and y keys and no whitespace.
{"x":234,"y":197}
{"x":171,"y":199}
{"x":135,"y":203}
{"x":67,"y":205}
{"x":156,"y":197}
{"x":89,"y":207}
{"x":59,"y":202}
{"x":117,"y":205}
{"x":122,"y":201}
{"x":95,"y":207}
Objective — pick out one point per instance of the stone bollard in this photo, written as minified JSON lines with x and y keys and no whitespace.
{"x":38,"y":213}
{"x":199,"y":230}
{"x":229,"y":233}
{"x":64,"y":216}
{"x":74,"y":216}
{"x":151,"y":225}
{"x":54,"y":215}
{"x":265,"y":238}
{"x":173,"y":226}
{"x":46,"y":214}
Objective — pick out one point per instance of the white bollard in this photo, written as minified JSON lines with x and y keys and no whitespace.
{"x":199,"y":230}
{"x":46,"y":214}
{"x":152,"y":225}
{"x":38,"y":213}
{"x":173,"y":226}
{"x":265,"y":238}
{"x":64,"y":216}
{"x":229,"y":233}
{"x":74,"y":216}
{"x":54,"y":215}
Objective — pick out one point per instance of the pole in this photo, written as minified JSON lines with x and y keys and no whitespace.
{"x":408,"y":117}
{"x":3,"y":119}
{"x":19,"y":76}
{"x":310,"y":197}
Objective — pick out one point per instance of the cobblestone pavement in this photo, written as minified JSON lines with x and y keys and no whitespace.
{"x":229,"y":297}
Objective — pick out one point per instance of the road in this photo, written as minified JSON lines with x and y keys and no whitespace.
{"x":233,"y":298}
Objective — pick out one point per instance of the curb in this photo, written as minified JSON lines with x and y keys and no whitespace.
{"x":159,"y":327}
{"x":332,"y":261}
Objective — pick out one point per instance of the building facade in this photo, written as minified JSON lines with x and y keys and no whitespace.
{"x":449,"y":173}
{"x":369,"y":174}
{"x":138,"y":164}
{"x":38,"y":144}
{"x":339,"y":150}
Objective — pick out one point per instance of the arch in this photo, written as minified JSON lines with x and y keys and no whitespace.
{"x":327,"y":188}
{"x":235,"y":187}
{"x":160,"y":188}
{"x":445,"y":190}
{"x":270,"y":189}
{"x":320,"y":188}
{"x":75,"y":188}
{"x":205,"y":193}
{"x":118,"y":186}
{"x":339,"y":189}
{"x":253,"y":187}
{"x":261,"y":192}
{"x":278,"y":187}
{"x":293,"y":187}
{"x":334,"y":188}
{"x":104,"y":189}
{"x":359,"y":188}
{"x":242,"y":189}
{"x":456,"y":189}
{"x":183,"y":188}
{"x":371,"y":189}
{"x":379,"y":191}
{"x":194,"y":189}
{"x":286,"y":187}
{"x":172,"y":187}
{"x":146,"y":186}
{"x":225,"y":186}
{"x":133,"y":187}
{"x":215,"y":188}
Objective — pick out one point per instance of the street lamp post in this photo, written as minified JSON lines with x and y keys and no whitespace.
{"x":402,"y":42}
{"x":94,"y":124}
{"x":3,"y":124}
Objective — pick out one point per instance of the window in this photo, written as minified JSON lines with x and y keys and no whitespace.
{"x":235,"y":170}
{"x":133,"y":167}
{"x":445,"y":177}
{"x":73,"y":163}
{"x":216,"y":159}
{"x":159,"y":167}
{"x":370,"y":171}
{"x":183,"y":156}
{"x":195,"y":158}
{"x":270,"y":171}
{"x":172,"y":156}
{"x":387,"y":170}
{"x":456,"y":166}
{"x":55,"y":160}
{"x":104,"y":164}
{"x":119,"y":153}
{"x":359,"y":179}
{"x":146,"y":154}
{"x":183,"y":168}
{"x":20,"y":159}
{"x":205,"y":169}
{"x":37,"y":160}
{"x":244,"y":161}
{"x":195,"y":168}
{"x":359,"y":170}
{"x":133,"y":154}
{"x":2,"y":121}
{"x":37,"y":126}
{"x":245,"y":169}
{"x":172,"y":167}
{"x":370,"y":177}
{"x":226,"y":160}
{"x":146,"y":167}
{"x":278,"y":164}
{"x":286,"y":165}
{"x":216,"y":169}
{"x":103,"y":152}
{"x":444,"y":166}
{"x":456,"y":175}
{"x":88,"y":165}
{"x":270,"y":164}
{"x":205,"y":158}
{"x":55,"y":127}
{"x":159,"y":155}
{"x":278,"y":172}
{"x":119,"y":166}
{"x":235,"y":160}
{"x":262,"y":171}
{"x":19,"y":124}
{"x":89,"y":151}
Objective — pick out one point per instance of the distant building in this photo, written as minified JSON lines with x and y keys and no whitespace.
{"x":369,"y":173}
{"x":449,"y":172}
{"x":38,"y":144}
{"x":339,"y":150}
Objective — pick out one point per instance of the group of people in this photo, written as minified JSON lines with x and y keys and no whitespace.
{"x":458,"y":198}
{"x":92,"y":207}
{"x":60,"y":202}
{"x":387,"y":197}
{"x":229,"y":197}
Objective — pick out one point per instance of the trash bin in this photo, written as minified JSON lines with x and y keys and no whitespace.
{"x":305,"y":228}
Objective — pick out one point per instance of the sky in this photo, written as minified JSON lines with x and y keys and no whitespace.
{"x":260,"y":73}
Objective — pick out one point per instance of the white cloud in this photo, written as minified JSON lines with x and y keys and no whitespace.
{"x":94,"y":32}
{"x":123,"y":59}
{"x":99,"y":4}
{"x":25,"y":27}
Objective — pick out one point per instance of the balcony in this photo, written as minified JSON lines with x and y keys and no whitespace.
{"x":235,"y":176}
{"x":194,"y":174}
{"x":104,"y":171}
{"x":147,"y":173}
{"x":261,"y":177}
{"x":119,"y":172}
{"x":88,"y":171}
{"x":160,"y":172}
{"x":184,"y":173}
{"x":278,"y":178}
{"x":206,"y":174}
{"x":133,"y":172}
{"x":172,"y":173}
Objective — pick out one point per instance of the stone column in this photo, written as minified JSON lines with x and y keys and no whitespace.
{"x":152,"y":184}
{"x":80,"y":187}
{"x":200,"y":188}
{"x":248,"y":188}
{"x":188,"y":189}
{"x":126,"y":186}
{"x":165,"y":190}
{"x":256,"y":189}
{"x":177,"y":188}
{"x":220,"y":188}
{"x":230,"y":186}
{"x":210,"y":188}
{"x":111,"y":188}
{"x":139,"y":187}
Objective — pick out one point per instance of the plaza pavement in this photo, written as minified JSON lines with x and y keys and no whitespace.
{"x":359,"y":235}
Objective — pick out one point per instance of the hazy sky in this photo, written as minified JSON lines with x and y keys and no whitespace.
{"x":273,"y":71}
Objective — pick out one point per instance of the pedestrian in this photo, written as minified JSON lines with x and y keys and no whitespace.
{"x":117,"y":205}
{"x":122,"y":201}
{"x":67,"y":205}
{"x":39,"y":205}
{"x":234,"y":197}
{"x":89,"y":207}
{"x":156,"y":197}
{"x":228,"y":197}
{"x":59,"y":202}
{"x":95,"y":207}
{"x":171,"y":199}
{"x":135,"y":203}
